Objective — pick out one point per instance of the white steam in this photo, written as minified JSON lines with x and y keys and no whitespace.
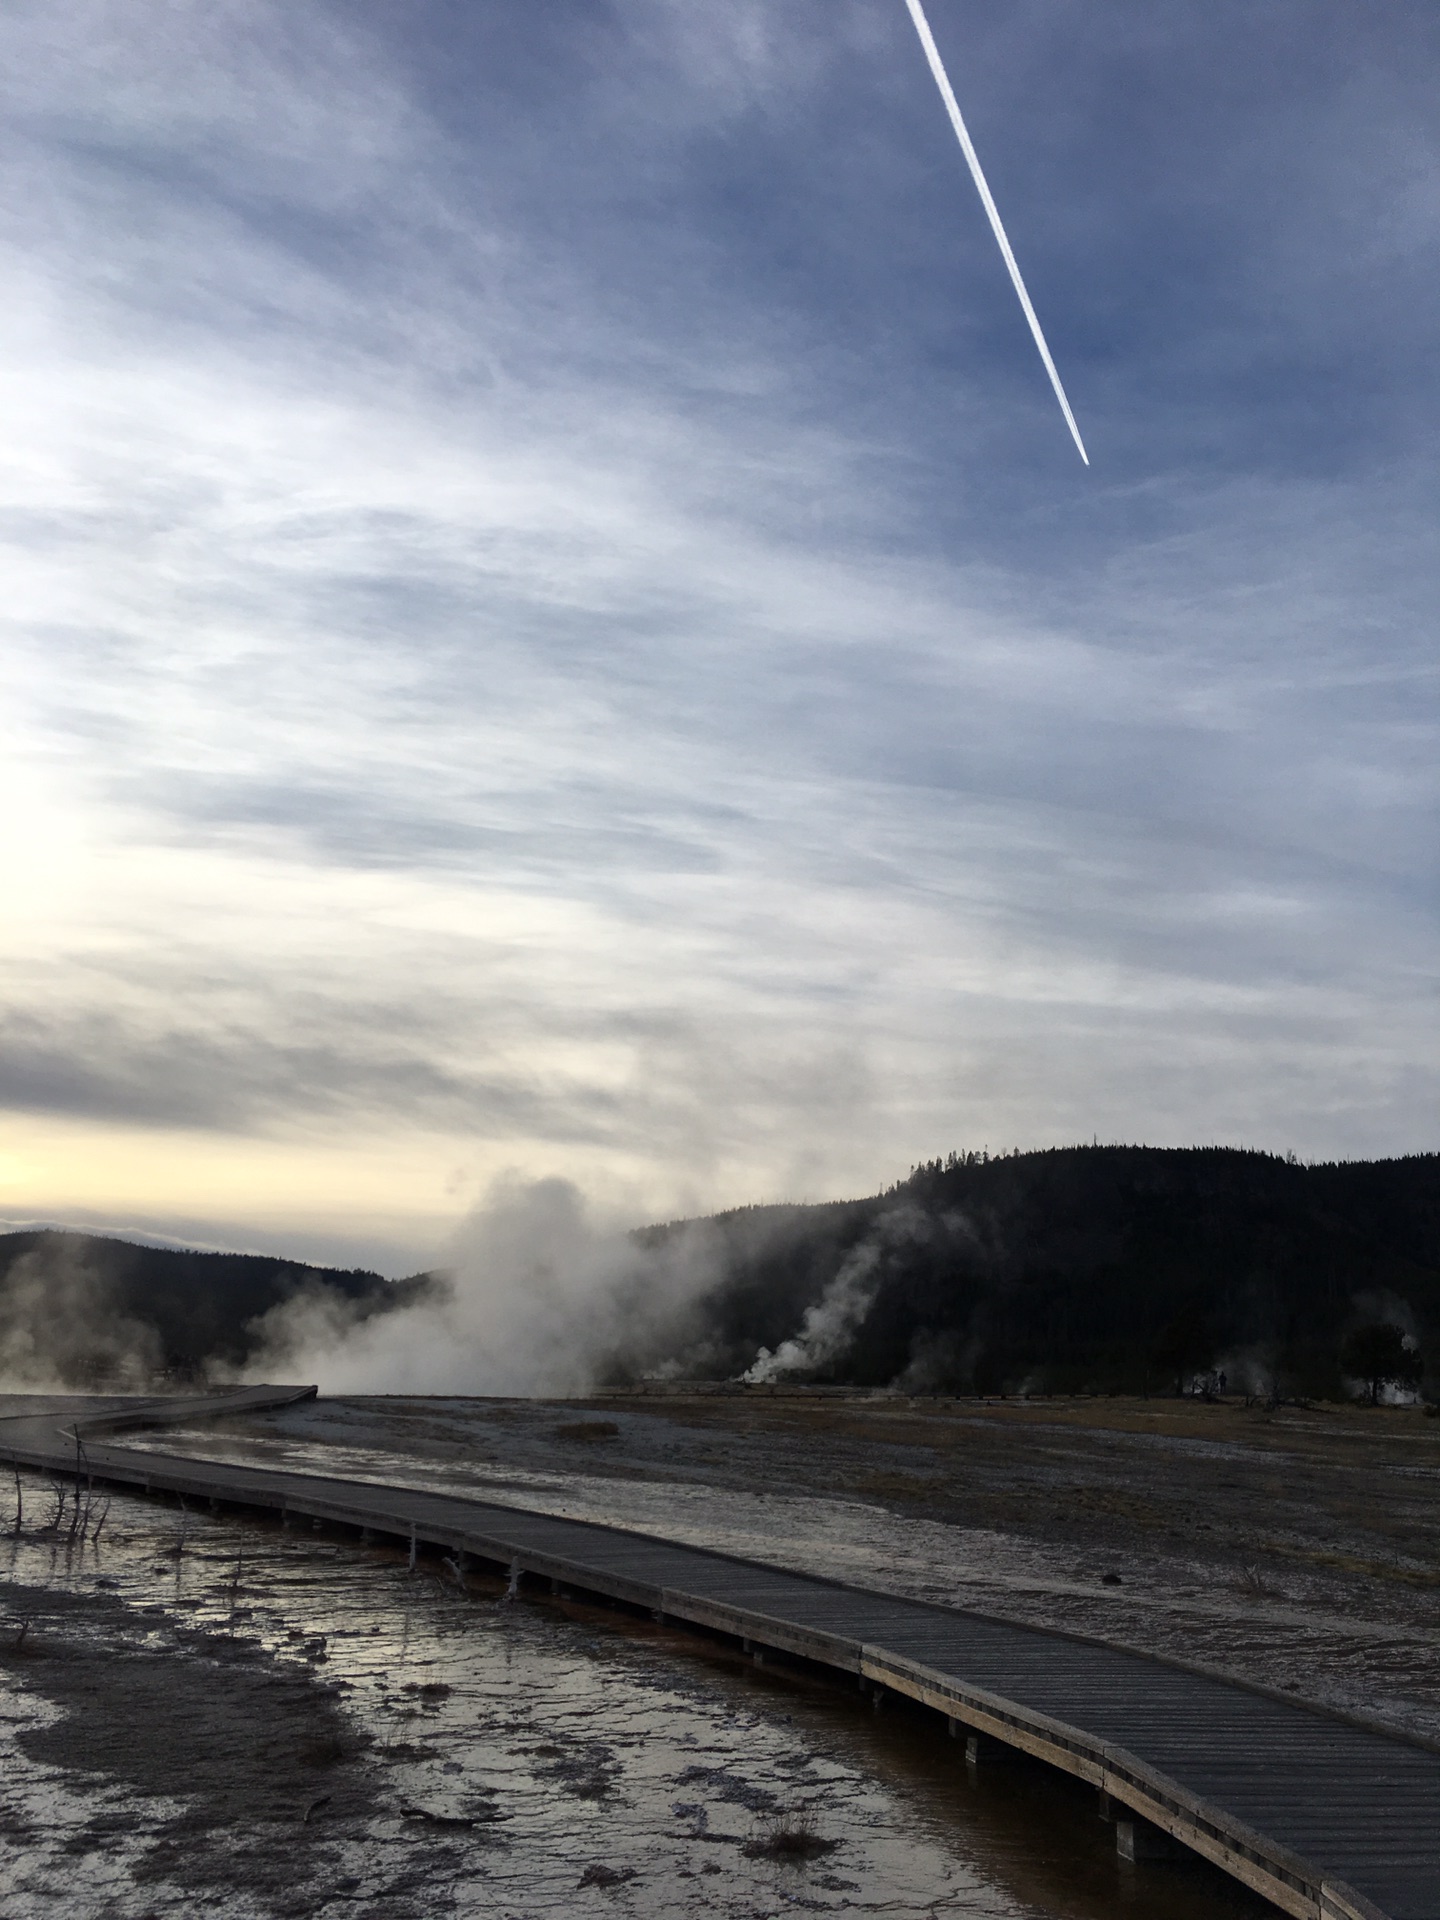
{"x":541,"y":1298}
{"x":831,"y":1324}
{"x":60,"y":1328}
{"x":828,"y":1326}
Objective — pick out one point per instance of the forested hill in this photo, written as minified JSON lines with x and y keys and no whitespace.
{"x":1130,"y":1267}
{"x":95,"y":1312}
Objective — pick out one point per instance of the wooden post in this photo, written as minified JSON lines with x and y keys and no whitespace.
{"x":1136,"y":1839}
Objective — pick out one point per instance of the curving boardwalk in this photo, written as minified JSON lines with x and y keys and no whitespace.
{"x":1324,"y":1817}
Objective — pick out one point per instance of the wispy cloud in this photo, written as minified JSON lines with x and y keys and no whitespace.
{"x":529,"y":630}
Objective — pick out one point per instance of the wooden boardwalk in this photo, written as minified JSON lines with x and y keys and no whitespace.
{"x":1329,"y":1819}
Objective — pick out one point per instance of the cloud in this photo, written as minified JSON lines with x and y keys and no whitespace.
{"x":546,"y":610}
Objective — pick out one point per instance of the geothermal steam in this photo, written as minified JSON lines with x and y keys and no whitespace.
{"x":543,"y":1298}
{"x":61,"y":1328}
{"x":539,"y":1297}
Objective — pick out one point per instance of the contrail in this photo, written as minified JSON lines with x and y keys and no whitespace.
{"x":987,"y":200}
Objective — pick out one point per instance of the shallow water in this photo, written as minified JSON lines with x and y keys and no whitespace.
{"x":841,"y":1538}
{"x":212,"y":1711}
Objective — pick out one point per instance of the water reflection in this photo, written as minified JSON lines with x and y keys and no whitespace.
{"x":292,"y":1723}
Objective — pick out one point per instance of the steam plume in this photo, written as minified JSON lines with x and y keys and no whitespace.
{"x":992,"y":212}
{"x":831,"y":1323}
{"x":540,"y":1297}
{"x":62,"y":1328}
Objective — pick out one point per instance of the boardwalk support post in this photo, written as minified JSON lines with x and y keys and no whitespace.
{"x":1138,"y":1840}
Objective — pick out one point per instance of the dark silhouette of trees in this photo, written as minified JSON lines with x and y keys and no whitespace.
{"x":82,"y":1298}
{"x":1184,"y":1348}
{"x":1077,"y":1269}
{"x":1091,"y":1269}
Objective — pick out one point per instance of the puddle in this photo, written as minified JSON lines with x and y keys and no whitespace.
{"x":210,"y":1712}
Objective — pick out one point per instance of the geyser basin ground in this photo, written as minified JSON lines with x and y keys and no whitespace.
{"x":1296,"y":1547}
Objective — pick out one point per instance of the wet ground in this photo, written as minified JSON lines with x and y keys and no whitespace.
{"x":211,"y":1714}
{"x":1299,"y":1547}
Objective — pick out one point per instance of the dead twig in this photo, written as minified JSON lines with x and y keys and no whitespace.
{"x":52,"y":1525}
{"x":75,"y":1512}
{"x":89,"y":1484}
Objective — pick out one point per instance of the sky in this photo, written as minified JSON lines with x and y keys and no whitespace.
{"x":553,"y":626}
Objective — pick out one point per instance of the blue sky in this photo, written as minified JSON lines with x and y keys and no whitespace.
{"x":555,"y":626}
